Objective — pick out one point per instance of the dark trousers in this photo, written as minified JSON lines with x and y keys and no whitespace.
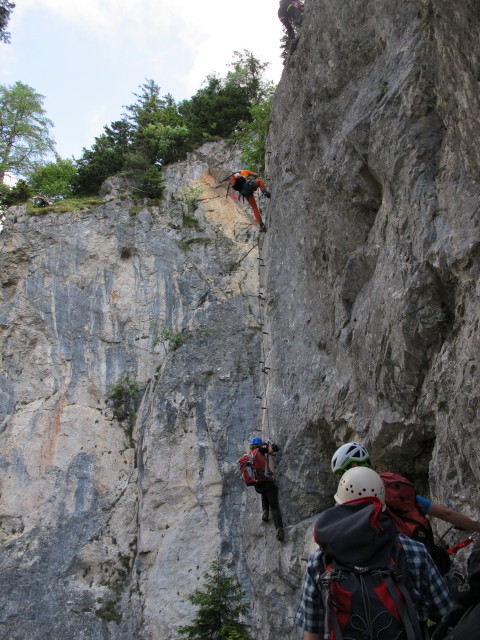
{"x":289,"y":12}
{"x":269,"y":494}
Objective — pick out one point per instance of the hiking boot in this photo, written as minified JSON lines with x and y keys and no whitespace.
{"x":263,"y":227}
{"x":265,"y":516}
{"x":280,"y":534}
{"x":266,"y":193}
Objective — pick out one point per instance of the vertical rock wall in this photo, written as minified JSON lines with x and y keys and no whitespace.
{"x":373,"y":252}
{"x":130,"y":342}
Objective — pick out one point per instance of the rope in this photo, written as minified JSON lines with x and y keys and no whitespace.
{"x":264,"y":346}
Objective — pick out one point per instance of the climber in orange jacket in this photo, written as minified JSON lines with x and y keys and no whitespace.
{"x":242,"y":182}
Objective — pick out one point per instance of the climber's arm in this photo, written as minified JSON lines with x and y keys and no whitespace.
{"x":449,"y":515}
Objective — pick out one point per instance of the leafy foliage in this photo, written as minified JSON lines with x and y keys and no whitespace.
{"x":220,"y":606}
{"x":104,"y":159}
{"x":252,"y":135}
{"x":155,"y":130}
{"x":122,"y":395}
{"x":24,"y":129}
{"x":10,"y":196}
{"x":248,"y":74}
{"x":54,"y":179}
{"x":171,"y":339}
{"x":6,"y":9}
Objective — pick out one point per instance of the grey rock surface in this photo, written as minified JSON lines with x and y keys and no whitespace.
{"x":373,"y":249}
{"x":130,"y":346}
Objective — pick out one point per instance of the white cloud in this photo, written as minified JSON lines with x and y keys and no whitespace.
{"x":207,"y":29}
{"x":216,"y":29}
{"x":104,"y":16}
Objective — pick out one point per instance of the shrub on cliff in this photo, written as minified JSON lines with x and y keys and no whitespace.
{"x":18,"y":194}
{"x":54,"y":179}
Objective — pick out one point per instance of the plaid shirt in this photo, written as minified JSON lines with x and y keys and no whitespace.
{"x":430,"y":595}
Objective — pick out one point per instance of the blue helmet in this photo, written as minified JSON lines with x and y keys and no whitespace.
{"x":256,"y":440}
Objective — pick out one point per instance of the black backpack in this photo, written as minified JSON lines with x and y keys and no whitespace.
{"x":239,"y":183}
{"x":370,"y":602}
{"x":248,"y":188}
{"x":366,"y":587}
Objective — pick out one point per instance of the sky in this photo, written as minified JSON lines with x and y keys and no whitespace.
{"x":89,"y":57}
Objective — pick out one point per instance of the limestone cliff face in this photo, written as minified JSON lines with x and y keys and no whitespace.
{"x":137,"y":356}
{"x":130,"y":342}
{"x":373,"y":248}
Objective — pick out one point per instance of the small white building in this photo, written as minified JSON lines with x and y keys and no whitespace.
{"x":9,"y":180}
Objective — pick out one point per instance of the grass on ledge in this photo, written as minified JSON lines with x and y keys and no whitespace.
{"x":68,"y":205}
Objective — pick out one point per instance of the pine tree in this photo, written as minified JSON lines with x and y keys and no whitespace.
{"x":220,"y":605}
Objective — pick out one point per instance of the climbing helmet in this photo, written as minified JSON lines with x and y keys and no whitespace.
{"x":348,"y":453}
{"x":360,"y":482}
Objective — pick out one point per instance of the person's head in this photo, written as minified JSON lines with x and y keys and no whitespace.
{"x":352,"y":454}
{"x":360,"y":482}
{"x":256,"y":442}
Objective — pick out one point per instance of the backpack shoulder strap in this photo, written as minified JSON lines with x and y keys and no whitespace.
{"x":402,"y":579}
{"x":326,"y":580}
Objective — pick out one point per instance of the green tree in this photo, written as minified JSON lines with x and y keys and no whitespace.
{"x":151,"y":108}
{"x":158,"y":131}
{"x":252,"y":136}
{"x":247,"y":73}
{"x":6,"y":9}
{"x":24,"y":129}
{"x":217,"y":108}
{"x":20,"y":193}
{"x":220,"y":606}
{"x":54,"y":178}
{"x":104,"y":159}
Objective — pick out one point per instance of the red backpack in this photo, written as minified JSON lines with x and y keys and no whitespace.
{"x":404,"y":508}
{"x":254,"y":468}
{"x":407,"y":515}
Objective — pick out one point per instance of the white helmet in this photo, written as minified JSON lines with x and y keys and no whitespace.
{"x":360,"y":482}
{"x":348,"y":453}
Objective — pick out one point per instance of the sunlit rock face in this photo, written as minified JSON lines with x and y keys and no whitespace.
{"x":143,"y":343}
